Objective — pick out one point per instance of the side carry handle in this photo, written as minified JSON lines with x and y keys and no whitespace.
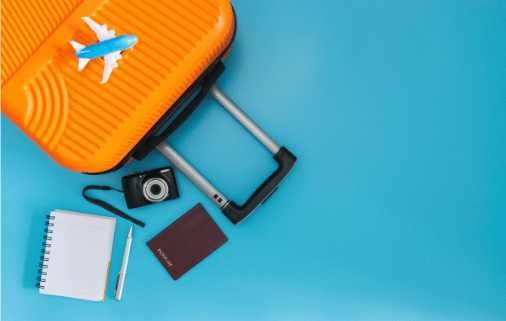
{"x":234,"y":212}
{"x":156,"y":139}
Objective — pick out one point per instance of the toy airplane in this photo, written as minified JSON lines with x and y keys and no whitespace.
{"x":109,"y":47}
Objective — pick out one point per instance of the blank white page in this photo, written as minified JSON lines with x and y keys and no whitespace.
{"x":79,"y":247}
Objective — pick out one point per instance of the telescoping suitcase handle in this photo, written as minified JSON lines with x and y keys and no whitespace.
{"x":236,"y":213}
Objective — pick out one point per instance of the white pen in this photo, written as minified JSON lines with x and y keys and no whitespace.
{"x":122,"y":272}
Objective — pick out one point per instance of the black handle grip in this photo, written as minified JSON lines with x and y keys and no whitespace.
{"x":236,"y":213}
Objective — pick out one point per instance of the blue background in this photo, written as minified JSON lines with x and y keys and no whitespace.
{"x":395,"y":209}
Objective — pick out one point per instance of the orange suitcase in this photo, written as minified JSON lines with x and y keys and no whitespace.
{"x":96,"y":128}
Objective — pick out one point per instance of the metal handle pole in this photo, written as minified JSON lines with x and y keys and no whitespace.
{"x":247,"y":122}
{"x":189,"y":171}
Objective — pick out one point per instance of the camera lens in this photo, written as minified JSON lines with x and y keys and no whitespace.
{"x":155,"y":189}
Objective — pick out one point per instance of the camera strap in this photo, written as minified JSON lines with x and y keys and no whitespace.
{"x":107,"y":206}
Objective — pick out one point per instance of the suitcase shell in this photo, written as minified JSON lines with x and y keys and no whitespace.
{"x":90,"y":127}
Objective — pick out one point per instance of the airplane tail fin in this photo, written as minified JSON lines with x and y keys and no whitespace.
{"x":82,"y":61}
{"x":77,"y":46}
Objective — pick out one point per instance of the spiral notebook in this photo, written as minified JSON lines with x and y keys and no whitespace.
{"x":77,"y":254}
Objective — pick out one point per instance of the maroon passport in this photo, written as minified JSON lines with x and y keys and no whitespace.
{"x":187,"y":241}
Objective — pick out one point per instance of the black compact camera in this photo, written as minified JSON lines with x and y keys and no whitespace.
{"x":149,"y":187}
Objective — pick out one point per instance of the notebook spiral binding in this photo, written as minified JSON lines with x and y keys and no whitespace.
{"x":44,"y":251}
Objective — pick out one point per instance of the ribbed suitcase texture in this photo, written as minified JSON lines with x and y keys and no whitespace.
{"x":90,"y":127}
